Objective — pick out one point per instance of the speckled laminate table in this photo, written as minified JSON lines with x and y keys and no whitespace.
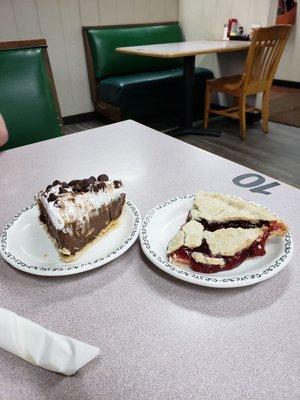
{"x":160,"y":338}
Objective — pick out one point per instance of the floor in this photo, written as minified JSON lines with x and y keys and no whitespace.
{"x":281,"y":91}
{"x":285,"y":106}
{"x":276,"y":154}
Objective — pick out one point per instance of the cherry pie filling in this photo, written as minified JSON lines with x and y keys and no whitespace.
{"x":257,"y":248}
{"x":230,"y":224}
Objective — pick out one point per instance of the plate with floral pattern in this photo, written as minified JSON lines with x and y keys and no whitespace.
{"x":164,"y":220}
{"x":25,"y":244}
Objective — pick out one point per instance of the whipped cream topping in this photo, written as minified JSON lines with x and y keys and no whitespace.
{"x":66,"y":206}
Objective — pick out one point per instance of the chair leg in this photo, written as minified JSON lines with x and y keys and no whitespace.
{"x":265,"y":111}
{"x":242,"y":113}
{"x":206,"y":107}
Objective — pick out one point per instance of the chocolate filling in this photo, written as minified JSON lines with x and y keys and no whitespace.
{"x":80,"y":234}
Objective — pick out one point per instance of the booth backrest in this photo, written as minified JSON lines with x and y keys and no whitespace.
{"x":107,"y":62}
{"x":28,"y":101}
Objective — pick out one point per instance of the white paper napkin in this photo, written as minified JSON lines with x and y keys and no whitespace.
{"x":42,"y":347}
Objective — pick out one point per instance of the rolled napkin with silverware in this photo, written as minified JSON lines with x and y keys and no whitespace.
{"x":42,"y":347}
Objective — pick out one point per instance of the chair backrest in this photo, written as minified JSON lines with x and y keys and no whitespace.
{"x":263,"y":57}
{"x":28,"y":100}
{"x":101,"y":42}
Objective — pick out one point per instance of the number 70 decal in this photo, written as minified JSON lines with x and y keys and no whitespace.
{"x":256,"y":183}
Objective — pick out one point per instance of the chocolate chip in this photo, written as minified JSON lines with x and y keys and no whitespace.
{"x":84,"y":183}
{"x":56,"y":204}
{"x":117,"y":184}
{"x":73,"y":182}
{"x":48,"y":188}
{"x":65,"y":185}
{"x":101,"y":185}
{"x":56,"y":183}
{"x":52,"y":197}
{"x":62,"y":190}
{"x":96,"y":188}
{"x":92,"y":180}
{"x":102,"y":177}
{"x":86,"y":189}
{"x":77,"y":187}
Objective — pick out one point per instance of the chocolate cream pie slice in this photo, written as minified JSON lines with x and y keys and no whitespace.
{"x":221,"y":232}
{"x":77,"y":213}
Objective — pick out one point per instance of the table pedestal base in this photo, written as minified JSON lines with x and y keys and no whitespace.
{"x":194,"y":131}
{"x":189,"y":81}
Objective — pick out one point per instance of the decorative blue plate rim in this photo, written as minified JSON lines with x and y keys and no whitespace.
{"x":211,"y":280}
{"x":68,"y":268}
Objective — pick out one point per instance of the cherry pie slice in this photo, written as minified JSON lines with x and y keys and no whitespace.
{"x":221,"y":232}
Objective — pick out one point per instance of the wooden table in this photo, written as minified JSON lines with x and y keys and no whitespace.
{"x":187,"y":50}
{"x":159,"y":337}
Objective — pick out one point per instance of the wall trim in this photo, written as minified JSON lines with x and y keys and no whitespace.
{"x":81,"y":118}
{"x":75,"y":119}
{"x":291,"y":84}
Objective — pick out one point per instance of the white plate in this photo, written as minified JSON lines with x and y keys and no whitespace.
{"x":164,"y":221}
{"x":25,"y":244}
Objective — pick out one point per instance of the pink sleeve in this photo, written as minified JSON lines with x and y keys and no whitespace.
{"x":3,"y":132}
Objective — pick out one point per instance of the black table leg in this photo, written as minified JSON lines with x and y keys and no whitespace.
{"x":189,"y":81}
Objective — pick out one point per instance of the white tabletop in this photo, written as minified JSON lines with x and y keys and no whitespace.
{"x":159,"y":338}
{"x":183,"y":49}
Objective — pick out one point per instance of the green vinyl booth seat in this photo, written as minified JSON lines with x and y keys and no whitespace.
{"x":130,"y":86}
{"x":144,"y":94}
{"x":28,"y":101}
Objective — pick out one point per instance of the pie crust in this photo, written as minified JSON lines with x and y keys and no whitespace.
{"x":221,"y":232}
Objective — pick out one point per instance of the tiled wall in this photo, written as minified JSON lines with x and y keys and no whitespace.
{"x":60,"y":21}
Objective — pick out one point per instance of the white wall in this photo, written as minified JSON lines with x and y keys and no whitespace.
{"x":289,"y":67}
{"x":60,"y":21}
{"x":202,"y":19}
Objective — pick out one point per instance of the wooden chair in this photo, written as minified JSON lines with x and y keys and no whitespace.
{"x":262,"y":60}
